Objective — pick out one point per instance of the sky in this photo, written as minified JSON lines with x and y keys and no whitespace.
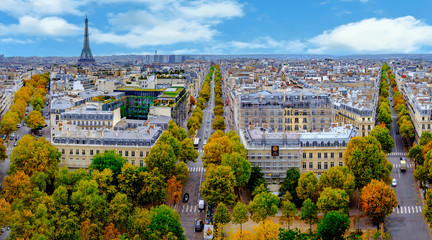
{"x":117,"y":27}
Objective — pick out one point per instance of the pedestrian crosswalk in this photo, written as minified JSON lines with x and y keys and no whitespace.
{"x":189,"y":209}
{"x":407,"y":209}
{"x":201,"y":151}
{"x":397,"y":154}
{"x":397,"y":165}
{"x":196,"y":169}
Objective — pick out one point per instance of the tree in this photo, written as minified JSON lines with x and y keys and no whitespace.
{"x":407,"y":130}
{"x":188,"y":152}
{"x":178,"y":132}
{"x":167,"y":138}
{"x":37,"y":103}
{"x":378,"y":200}
{"x":427,"y":212}
{"x":161,"y":156}
{"x":3,"y":154}
{"x":333,"y":225}
{"x":256,"y":179}
{"x":309,"y":213}
{"x":108,"y":160}
{"x":174,"y":190}
{"x":240,"y":167}
{"x":6,"y":212}
{"x":222,"y":216}
{"x":164,"y":220}
{"x":242,"y":235}
{"x":240,"y":214}
{"x":364,"y":158}
{"x":416,"y":153}
{"x":192,"y":100}
{"x":219,"y":186}
{"x":35,"y":120}
{"x":289,"y":212}
{"x":292,"y":234}
{"x":219,"y":123}
{"x":382,"y":134}
{"x":111,"y":232}
{"x":218,"y":110}
{"x":290,"y":184}
{"x":105,"y":181}
{"x":119,"y":211}
{"x":267,"y":230}
{"x":263,"y":205}
{"x":333,"y":200}
{"x":31,"y":155}
{"x":338,"y":177}
{"x":181,"y":172}
{"x":308,"y":186}
{"x":9,"y":122}
{"x":216,"y":147}
{"x":153,"y":187}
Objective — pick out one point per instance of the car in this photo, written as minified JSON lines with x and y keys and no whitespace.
{"x":18,"y":125}
{"x":199,"y":226}
{"x":17,"y":136}
{"x":205,"y":142}
{"x":24,"y":123}
{"x":15,"y":144}
{"x":2,"y":230}
{"x":201,"y":204}
{"x":185,"y":198}
{"x":394,"y":183}
{"x":12,"y":136}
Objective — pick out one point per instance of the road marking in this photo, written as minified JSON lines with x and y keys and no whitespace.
{"x":195,"y":209}
{"x":409,"y":209}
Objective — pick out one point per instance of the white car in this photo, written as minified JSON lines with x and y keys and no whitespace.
{"x":394,"y":183}
{"x":205,"y":142}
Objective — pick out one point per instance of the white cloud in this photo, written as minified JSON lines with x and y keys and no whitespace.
{"x":176,"y":22}
{"x":15,"y":41}
{"x":399,"y":35}
{"x":49,"y":26}
{"x":40,"y":8}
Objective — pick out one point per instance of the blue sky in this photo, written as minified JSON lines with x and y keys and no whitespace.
{"x":337,"y":27}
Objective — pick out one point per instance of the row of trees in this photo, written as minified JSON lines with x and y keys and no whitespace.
{"x":106,"y":201}
{"x":219,"y":121}
{"x":384,"y":111}
{"x":194,"y":122}
{"x":406,"y":128}
{"x":34,"y":92}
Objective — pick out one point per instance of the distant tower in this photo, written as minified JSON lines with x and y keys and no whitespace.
{"x":155,"y":57}
{"x":86,"y":57}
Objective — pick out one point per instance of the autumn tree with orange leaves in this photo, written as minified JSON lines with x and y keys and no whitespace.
{"x":378,"y":200}
{"x":174,"y":190}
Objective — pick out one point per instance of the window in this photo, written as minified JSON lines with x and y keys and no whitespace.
{"x":296,"y":120}
{"x":304,"y":120}
{"x":121,"y":153}
{"x":77,"y":161}
{"x":304,"y":165}
{"x":141,"y":163}
{"x":331,"y":155}
{"x":310,"y":155}
{"x":77,"y":152}
{"x":325,"y":165}
{"x":296,"y":128}
{"x":325,"y":155}
{"x":319,"y":165}
{"x":332,"y":164}
{"x":319,"y":155}
{"x":133,"y":162}
{"x":133,"y":153}
{"x":304,"y":155}
{"x":97,"y":151}
{"x":141,"y":153}
{"x":70,"y":160}
{"x":340,"y":155}
{"x":91,"y":152}
{"x":83,"y":152}
{"x":126,"y":153}
{"x":83,"y":161}
{"x":340,"y":164}
{"x":71,"y":152}
{"x":310,"y":165}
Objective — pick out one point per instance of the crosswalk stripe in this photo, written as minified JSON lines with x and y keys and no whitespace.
{"x":195,"y":209}
{"x":420,"y":208}
{"x":409,"y":209}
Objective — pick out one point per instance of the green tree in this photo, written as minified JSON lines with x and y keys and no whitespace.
{"x":105,"y":181}
{"x":289,"y":212}
{"x":416,"y":153}
{"x":37,"y":103}
{"x":382,"y":134}
{"x":219,"y":186}
{"x":3,"y":154}
{"x":308,"y":186}
{"x":35,"y":120}
{"x":309,"y":213}
{"x":425,"y":138}
{"x":167,"y":138}
{"x":378,"y":200}
{"x":338,"y":177}
{"x":364,"y":158}
{"x":164,"y":221}
{"x":239,"y":165}
{"x":263,"y":205}
{"x":333,"y":200}
{"x":9,"y":122}
{"x":240,"y":214}
{"x":119,"y":211}
{"x":290,"y":184}
{"x":333,"y":226}
{"x":188,"y":152}
{"x":222,"y":216}
{"x":407,"y":130}
{"x":108,"y":160}
{"x":162,"y":156}
{"x":256,"y":179}
{"x":31,"y":155}
{"x":219,"y":123}
{"x":181,"y":172}
{"x":427,"y":213}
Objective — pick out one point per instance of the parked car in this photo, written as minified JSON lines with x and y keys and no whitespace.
{"x":205,"y":142}
{"x":185,"y":197}
{"x":201,"y":205}
{"x":12,"y":136}
{"x":394,"y":183}
{"x":17,"y":136}
{"x":199,"y":226}
{"x":15,"y":144}
{"x":18,"y":125}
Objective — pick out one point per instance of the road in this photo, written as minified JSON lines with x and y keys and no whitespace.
{"x":189,"y":211}
{"x":407,"y":221}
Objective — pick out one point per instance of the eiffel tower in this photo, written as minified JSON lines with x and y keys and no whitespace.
{"x":86,"y":57}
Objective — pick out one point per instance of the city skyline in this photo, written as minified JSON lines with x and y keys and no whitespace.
{"x":334,"y":27}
